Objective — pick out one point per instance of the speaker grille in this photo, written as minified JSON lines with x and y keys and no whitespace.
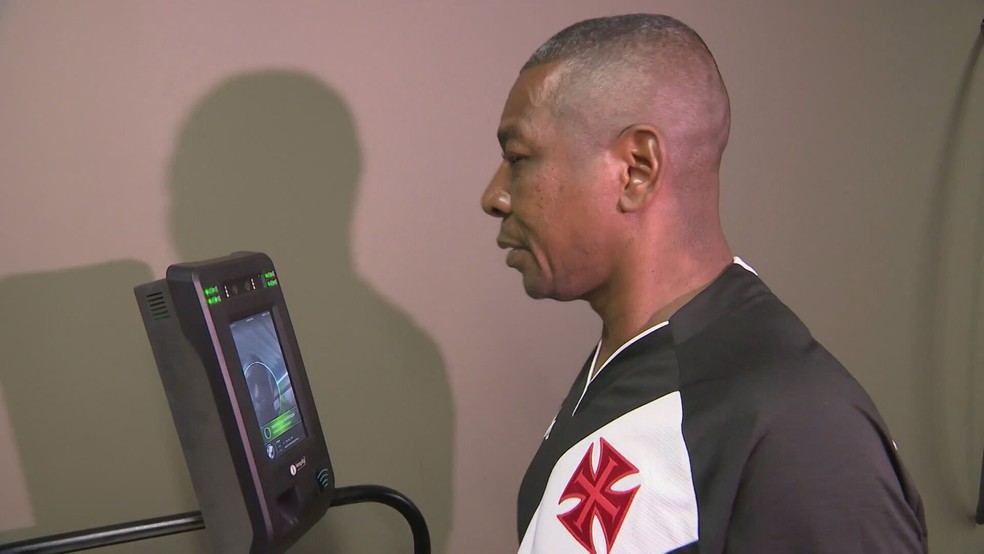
{"x":157,"y":306}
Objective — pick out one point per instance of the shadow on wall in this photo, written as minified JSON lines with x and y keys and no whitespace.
{"x":87,"y":408}
{"x":269,"y":161}
{"x":16,"y":508}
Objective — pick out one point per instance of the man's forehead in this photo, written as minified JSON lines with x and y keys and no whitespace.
{"x":529,"y":99}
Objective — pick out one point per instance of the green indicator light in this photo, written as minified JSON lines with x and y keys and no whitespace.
{"x":272,"y":283}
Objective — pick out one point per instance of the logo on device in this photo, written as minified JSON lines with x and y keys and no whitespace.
{"x":299,"y":465}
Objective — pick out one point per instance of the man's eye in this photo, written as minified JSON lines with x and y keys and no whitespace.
{"x":511,"y":159}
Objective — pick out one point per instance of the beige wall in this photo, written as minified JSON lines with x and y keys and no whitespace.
{"x":135,"y":135}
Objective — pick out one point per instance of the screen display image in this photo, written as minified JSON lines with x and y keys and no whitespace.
{"x":270,"y":389}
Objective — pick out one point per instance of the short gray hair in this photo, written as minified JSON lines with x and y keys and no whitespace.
{"x":638,"y":62}
{"x":607,"y":38}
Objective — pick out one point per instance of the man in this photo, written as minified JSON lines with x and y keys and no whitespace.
{"x":707,"y":419}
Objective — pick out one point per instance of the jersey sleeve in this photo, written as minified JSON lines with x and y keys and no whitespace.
{"x":826,"y":480}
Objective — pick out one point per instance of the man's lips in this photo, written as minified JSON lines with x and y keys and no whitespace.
{"x":515,"y":250}
{"x":506,"y":243}
{"x":513,"y":257}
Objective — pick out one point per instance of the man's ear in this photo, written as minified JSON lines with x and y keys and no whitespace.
{"x":639,"y":148}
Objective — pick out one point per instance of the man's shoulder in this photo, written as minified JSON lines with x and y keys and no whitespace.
{"x":757,"y":366}
{"x":757,"y":342}
{"x":778,"y":429}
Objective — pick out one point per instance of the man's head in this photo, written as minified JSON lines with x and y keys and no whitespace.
{"x":612,"y":139}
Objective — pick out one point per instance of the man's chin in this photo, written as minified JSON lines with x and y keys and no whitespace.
{"x":535,"y":288}
{"x":536,"y":294}
{"x":538,"y":290}
{"x":538,"y":287}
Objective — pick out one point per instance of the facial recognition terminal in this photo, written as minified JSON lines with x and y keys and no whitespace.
{"x":240,"y":399}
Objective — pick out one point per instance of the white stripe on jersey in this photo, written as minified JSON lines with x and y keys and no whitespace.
{"x":662,"y":514}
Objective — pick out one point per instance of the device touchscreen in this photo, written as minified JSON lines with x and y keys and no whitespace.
{"x":269,"y":383}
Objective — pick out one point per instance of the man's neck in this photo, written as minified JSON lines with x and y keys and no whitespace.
{"x":647,"y":299}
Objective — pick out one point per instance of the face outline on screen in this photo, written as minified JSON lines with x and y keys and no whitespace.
{"x":268,"y":383}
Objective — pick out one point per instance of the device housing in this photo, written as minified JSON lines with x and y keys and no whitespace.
{"x":215,"y":328}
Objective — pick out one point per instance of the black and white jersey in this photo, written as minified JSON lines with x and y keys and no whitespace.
{"x":726,"y":429}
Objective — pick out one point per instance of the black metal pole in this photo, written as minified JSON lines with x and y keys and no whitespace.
{"x":105,"y":536}
{"x":192,"y":521}
{"x":394,"y":499}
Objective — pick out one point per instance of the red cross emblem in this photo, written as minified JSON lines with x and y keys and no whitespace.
{"x":597,"y":499}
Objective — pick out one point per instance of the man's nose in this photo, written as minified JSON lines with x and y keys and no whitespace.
{"x":495,"y":199}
